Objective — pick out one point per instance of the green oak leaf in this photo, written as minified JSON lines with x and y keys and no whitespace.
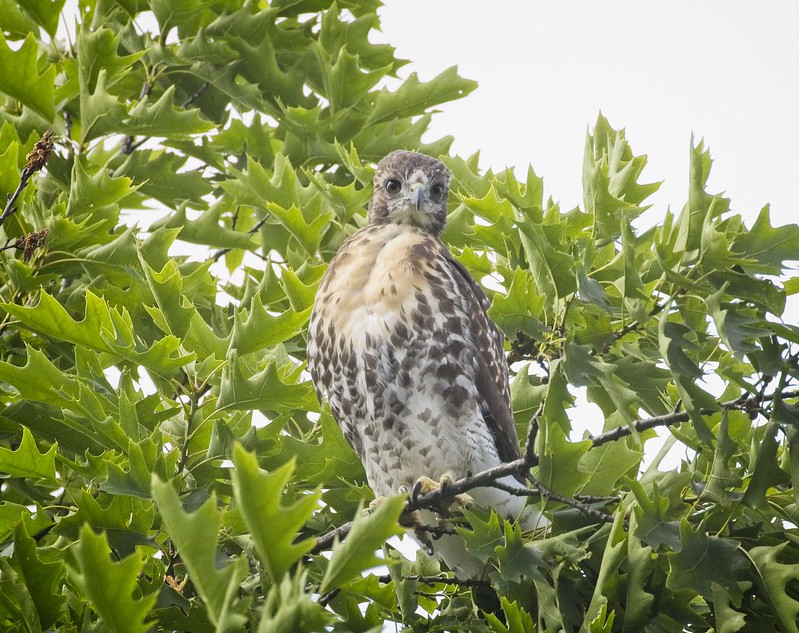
{"x":195,"y":535}
{"x":774,"y":576}
{"x":20,"y":78}
{"x":273,"y":525}
{"x":111,"y":586}
{"x":368,"y":532}
{"x":703,"y":560}
{"x":27,"y":460}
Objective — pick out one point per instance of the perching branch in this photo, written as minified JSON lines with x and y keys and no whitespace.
{"x":436,"y":499}
{"x":325,"y":599}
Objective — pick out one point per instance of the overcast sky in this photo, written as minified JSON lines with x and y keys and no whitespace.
{"x":726,"y":71}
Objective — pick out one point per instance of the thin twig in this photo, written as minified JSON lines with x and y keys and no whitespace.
{"x":634,"y":325}
{"x":597,"y":498}
{"x":254,"y":229}
{"x":128,"y":144}
{"x":532,"y":432}
{"x":196,"y":95}
{"x":592,"y":513}
{"x":440,"y":580}
{"x":514,"y":490}
{"x":8,"y":245}
{"x":194,"y":405}
{"x":325,"y":599}
{"x":678,"y":417}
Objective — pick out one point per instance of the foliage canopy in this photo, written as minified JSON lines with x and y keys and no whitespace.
{"x":165,"y":462}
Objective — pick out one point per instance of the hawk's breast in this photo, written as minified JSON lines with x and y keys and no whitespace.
{"x":390,"y":344}
{"x":372,"y":284}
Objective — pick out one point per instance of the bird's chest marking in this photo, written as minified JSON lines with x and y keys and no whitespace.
{"x":376,"y":285}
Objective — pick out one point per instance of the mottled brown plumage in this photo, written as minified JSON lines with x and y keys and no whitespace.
{"x":401,"y":345}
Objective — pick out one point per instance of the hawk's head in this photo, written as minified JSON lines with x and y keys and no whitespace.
{"x":411,"y":189}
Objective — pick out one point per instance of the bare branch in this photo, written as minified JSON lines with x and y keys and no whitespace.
{"x":254,"y":229}
{"x":440,"y":580}
{"x":325,"y":599}
{"x":587,"y":510}
{"x":532,"y":432}
{"x":326,"y":541}
{"x":744,"y":403}
{"x":514,"y":490}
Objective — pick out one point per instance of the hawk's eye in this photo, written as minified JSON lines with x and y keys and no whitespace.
{"x":437,"y":190}
{"x":393,"y":186}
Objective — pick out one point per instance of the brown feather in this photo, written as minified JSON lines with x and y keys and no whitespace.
{"x":492,"y":374}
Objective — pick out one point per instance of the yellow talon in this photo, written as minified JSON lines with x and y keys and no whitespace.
{"x":424,"y":485}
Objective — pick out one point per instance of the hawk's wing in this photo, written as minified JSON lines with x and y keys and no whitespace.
{"x":492,"y":366}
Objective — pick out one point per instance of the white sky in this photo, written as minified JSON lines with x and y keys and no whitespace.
{"x":726,"y":71}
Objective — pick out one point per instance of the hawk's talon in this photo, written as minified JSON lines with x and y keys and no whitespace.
{"x":424,"y":485}
{"x":415,"y":491}
{"x":374,"y":504}
{"x":444,"y":484}
{"x":464,"y":501}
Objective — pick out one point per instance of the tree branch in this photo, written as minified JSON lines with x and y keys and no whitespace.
{"x":592,"y":513}
{"x":440,"y":580}
{"x":489,"y":478}
{"x":326,"y":541}
{"x":325,"y":599}
{"x":744,"y":403}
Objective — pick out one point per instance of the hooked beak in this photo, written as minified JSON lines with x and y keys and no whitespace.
{"x":417,"y":195}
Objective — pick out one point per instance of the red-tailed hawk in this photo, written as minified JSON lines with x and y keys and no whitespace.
{"x":400,"y":343}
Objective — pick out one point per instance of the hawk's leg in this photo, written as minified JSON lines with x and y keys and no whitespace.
{"x":425,"y":485}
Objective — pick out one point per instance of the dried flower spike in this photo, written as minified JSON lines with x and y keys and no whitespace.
{"x":33,"y":241}
{"x":39,"y":155}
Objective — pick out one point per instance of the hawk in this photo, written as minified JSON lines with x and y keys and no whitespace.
{"x":400,"y":344}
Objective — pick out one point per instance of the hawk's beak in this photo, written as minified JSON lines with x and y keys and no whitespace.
{"x":417,"y":195}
